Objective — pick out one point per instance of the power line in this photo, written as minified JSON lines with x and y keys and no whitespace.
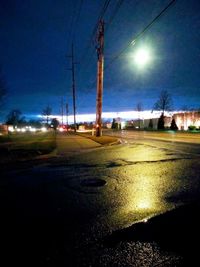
{"x":115,"y":11}
{"x":120,"y":2}
{"x":77,"y":19}
{"x":93,"y":35}
{"x":73,"y":85}
{"x":102,"y":13}
{"x":71,"y":25}
{"x":141,"y":33}
{"x":73,"y":21}
{"x":93,"y":38}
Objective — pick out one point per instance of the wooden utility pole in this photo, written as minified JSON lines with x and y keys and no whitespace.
{"x":62,"y":111}
{"x":67,"y":112}
{"x":73,"y":86}
{"x":100,"y":65}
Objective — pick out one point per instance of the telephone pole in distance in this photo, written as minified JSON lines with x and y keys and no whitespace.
{"x":73,"y":85}
{"x":67,"y":113}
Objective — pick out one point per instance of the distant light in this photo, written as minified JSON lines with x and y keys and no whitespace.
{"x":11,"y":129}
{"x":43,"y":129}
{"x":126,"y":115}
{"x":123,"y":124}
{"x":32,"y":130}
{"x":142,"y":57}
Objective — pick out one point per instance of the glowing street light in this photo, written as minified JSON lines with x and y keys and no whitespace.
{"x":142,"y":57}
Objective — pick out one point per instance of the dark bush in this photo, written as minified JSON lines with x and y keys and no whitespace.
{"x":161,"y":123}
{"x":192,"y":128}
{"x":173,"y":125}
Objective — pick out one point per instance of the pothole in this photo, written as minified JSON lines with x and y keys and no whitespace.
{"x":93,"y":182}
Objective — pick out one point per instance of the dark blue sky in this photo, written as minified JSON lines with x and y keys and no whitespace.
{"x":36,"y":36}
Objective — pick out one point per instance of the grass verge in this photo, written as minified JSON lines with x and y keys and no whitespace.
{"x":15,"y":147}
{"x":103,"y":140}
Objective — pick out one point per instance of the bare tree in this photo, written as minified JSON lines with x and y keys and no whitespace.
{"x":47,"y":112}
{"x":164,"y":103}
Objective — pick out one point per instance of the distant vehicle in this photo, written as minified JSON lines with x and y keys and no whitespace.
{"x":63,"y":128}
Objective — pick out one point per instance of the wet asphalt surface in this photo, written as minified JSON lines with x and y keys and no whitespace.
{"x":134,"y":204}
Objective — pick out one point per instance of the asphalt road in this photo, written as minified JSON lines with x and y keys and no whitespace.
{"x":170,"y":136}
{"x":134,"y":204}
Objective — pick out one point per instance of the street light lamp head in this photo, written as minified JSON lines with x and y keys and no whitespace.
{"x":142,"y":57}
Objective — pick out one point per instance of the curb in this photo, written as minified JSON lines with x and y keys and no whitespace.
{"x":118,"y":142}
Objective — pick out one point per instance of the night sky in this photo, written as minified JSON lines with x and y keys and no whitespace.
{"x":36,"y":39}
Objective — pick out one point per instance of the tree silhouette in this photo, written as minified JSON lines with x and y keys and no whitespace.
{"x":164,"y":102}
{"x":15,"y":117}
{"x":35,"y":123}
{"x":47,"y":112}
{"x":114,"y":124}
{"x":161,"y":122}
{"x":173,"y":125}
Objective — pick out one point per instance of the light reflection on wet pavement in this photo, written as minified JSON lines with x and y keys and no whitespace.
{"x":141,"y":181}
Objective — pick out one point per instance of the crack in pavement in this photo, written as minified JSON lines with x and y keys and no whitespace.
{"x":114,"y":164}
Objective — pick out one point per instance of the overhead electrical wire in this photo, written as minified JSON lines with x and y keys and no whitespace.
{"x":74,"y":22}
{"x":102,"y":13}
{"x":112,"y":16}
{"x":93,"y":35}
{"x":71,"y":25}
{"x":77,"y":20}
{"x":114,"y":13}
{"x":133,"y":40}
{"x":88,"y":53}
